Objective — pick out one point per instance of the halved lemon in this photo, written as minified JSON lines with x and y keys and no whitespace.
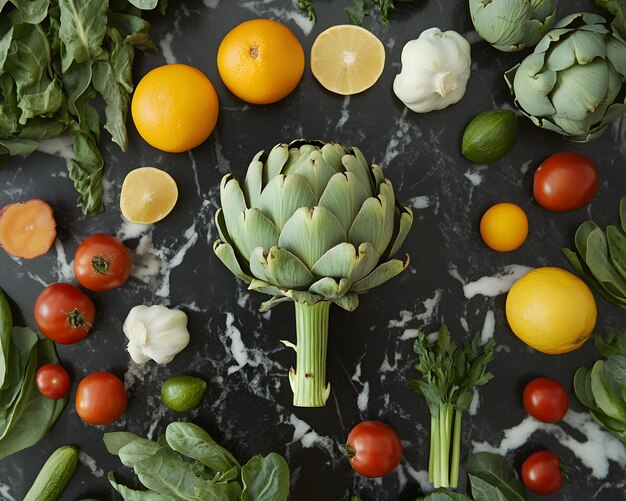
{"x":347,"y":59}
{"x":148,"y":195}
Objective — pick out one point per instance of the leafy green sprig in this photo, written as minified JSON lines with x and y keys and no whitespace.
{"x":359,"y":9}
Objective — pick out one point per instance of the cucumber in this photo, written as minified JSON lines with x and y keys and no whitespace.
{"x":489,"y":136}
{"x":54,"y":475}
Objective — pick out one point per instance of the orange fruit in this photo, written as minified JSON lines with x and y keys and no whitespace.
{"x":347,"y":59}
{"x":148,"y":195}
{"x":175,"y":107}
{"x":504,"y":227}
{"x":551,"y":310}
{"x":260,"y":61}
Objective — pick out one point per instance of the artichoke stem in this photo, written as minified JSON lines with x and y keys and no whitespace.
{"x":308,"y":380}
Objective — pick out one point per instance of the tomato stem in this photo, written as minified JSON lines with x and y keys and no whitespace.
{"x":350,"y":453}
{"x":99,"y":264}
{"x":76,"y":318}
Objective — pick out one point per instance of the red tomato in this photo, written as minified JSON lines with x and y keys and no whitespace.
{"x":53,"y":381}
{"x":541,"y":473}
{"x":102,"y":263}
{"x":64,"y":313}
{"x":565,"y":181}
{"x":374,"y":449}
{"x":100,"y":398}
{"x":546,"y":400}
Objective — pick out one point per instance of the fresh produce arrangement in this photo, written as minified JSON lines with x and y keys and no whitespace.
{"x":152,"y":329}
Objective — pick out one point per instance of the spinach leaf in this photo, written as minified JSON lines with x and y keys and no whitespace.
{"x":30,"y":11}
{"x":484,"y":491}
{"x":22,"y":342}
{"x":610,"y":342}
{"x":132,"y":495}
{"x":138,"y":450}
{"x":192,"y":441}
{"x":114,"y":441}
{"x":265,"y":478}
{"x":616,"y":367}
{"x":496,"y":471}
{"x":605,"y":401}
{"x":209,"y":491}
{"x":144,"y":4}
{"x":83,"y":26}
{"x":117,"y":100}
{"x":6,"y":325}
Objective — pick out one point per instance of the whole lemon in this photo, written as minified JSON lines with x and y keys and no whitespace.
{"x":551,"y":310}
{"x":175,"y":107}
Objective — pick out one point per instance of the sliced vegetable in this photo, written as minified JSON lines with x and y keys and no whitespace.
{"x":155,"y":333}
{"x":435,"y":70}
{"x":546,"y":400}
{"x":565,"y":181}
{"x":102,"y":263}
{"x":100,"y":398}
{"x":183,"y":393}
{"x":374,"y":449}
{"x":64,"y":313}
{"x":27,"y":229}
{"x":600,"y":257}
{"x":54,"y":476}
{"x":53,"y":381}
{"x":187,"y":463}
{"x":449,"y":375}
{"x":542,"y":473}
{"x":489,"y":136}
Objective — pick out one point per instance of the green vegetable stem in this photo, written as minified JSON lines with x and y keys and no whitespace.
{"x":449,"y":375}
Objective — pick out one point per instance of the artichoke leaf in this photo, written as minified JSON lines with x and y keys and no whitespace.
{"x":256,"y":230}
{"x":380,"y":275}
{"x":348,"y":302}
{"x":583,"y":18}
{"x":379,"y":177}
{"x":226,"y":254}
{"x":622,"y":213}
{"x":283,"y":195}
{"x":580,"y":47}
{"x":598,"y":262}
{"x":281,"y":268}
{"x":303,"y":297}
{"x":343,"y":261}
{"x":532,"y":85}
{"x":298,"y":155}
{"x":329,"y":288}
{"x":344,"y":196}
{"x":233,"y":205}
{"x":253,"y":184}
{"x":309,"y":233}
{"x":265,"y":287}
{"x":616,"y":53}
{"x":317,"y":172}
{"x":403,"y":222}
{"x":374,"y":222}
{"x":275,"y":162}
{"x":270,"y":303}
{"x":359,"y":167}
{"x":617,"y":248}
{"x":332,"y":153}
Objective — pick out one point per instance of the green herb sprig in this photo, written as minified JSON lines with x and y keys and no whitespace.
{"x":359,"y":9}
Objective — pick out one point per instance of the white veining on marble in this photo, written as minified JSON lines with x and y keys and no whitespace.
{"x":4,"y":492}
{"x":595,"y":452}
{"x":345,"y":113}
{"x":400,"y":138}
{"x":128,"y":230}
{"x":420,"y":202}
{"x":212,"y":4}
{"x":166,"y":48}
{"x":60,"y":146}
{"x":194,"y":167}
{"x":493,"y":285}
{"x":91,"y":463}
{"x":264,"y":9}
{"x":191,"y":237}
{"x":308,"y":437}
{"x":489,"y":327}
{"x":475,"y":176}
{"x":64,"y":269}
{"x":362,"y":398}
{"x":475,"y":404}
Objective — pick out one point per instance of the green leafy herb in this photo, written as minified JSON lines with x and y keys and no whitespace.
{"x":55,"y":57}
{"x":359,"y":9}
{"x":187,"y":464}
{"x":449,"y":375}
{"x":25,"y":414}
{"x":600,"y":257}
{"x":602,"y":389}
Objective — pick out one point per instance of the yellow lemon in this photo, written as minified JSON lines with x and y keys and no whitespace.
{"x":148,"y":195}
{"x":551,"y":310}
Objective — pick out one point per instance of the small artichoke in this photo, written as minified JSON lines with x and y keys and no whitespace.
{"x":314,"y":223}
{"x":512,"y":25}
{"x":573,"y":82}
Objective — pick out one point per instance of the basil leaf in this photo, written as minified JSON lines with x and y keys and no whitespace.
{"x":610,"y":342}
{"x":265,"y":478}
{"x":21,"y":343}
{"x":193,"y":442}
{"x":616,"y":241}
{"x":598,"y":262}
{"x":484,"y":491}
{"x":132,"y":495}
{"x":602,"y":395}
{"x":616,"y":367}
{"x":209,"y":491}
{"x":83,"y":26}
{"x":495,"y":470}
{"x":136,"y":451}
{"x":115,"y":440}
{"x":144,"y":4}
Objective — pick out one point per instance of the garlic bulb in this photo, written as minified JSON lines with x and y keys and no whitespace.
{"x":435,"y":71}
{"x":155,"y":332}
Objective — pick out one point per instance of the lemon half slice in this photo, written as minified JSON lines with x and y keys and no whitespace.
{"x":347,"y":59}
{"x":148,"y":195}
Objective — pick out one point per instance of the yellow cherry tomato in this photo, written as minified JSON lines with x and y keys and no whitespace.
{"x":504,"y":227}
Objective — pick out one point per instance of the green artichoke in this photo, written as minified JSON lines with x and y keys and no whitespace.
{"x":573,"y":82}
{"x":313,"y":224}
{"x":512,"y":25}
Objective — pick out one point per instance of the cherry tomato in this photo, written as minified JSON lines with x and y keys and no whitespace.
{"x":546,"y":400}
{"x":504,"y":227}
{"x":374,"y":449}
{"x":64,"y":313}
{"x":53,"y":381}
{"x":100,"y":398}
{"x":541,"y":473}
{"x":102,"y":263}
{"x":565,"y":181}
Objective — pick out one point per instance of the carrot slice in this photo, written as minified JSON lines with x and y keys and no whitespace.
{"x":27,"y":229}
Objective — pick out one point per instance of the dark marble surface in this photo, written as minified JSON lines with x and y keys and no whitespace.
{"x":248,"y":404}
